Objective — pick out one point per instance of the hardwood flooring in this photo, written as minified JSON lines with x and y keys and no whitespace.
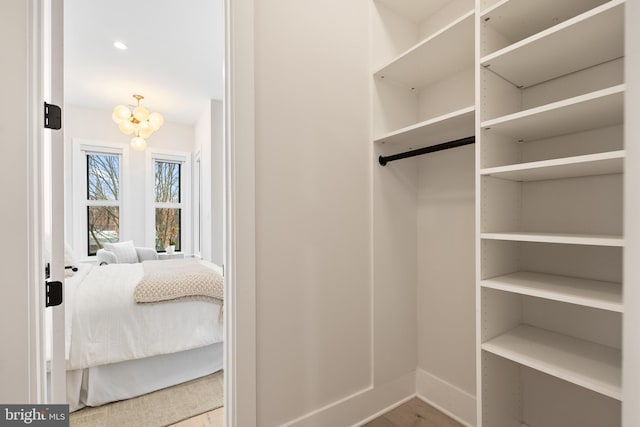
{"x":414,"y":413}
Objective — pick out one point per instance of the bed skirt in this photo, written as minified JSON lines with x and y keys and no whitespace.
{"x":108,"y":383}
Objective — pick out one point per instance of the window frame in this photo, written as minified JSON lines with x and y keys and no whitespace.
{"x":81,"y":203}
{"x":184,"y":158}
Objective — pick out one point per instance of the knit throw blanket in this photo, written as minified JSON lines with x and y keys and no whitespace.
{"x":179,"y":280}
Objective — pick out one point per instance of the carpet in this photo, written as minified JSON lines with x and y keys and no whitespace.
{"x":160,"y":408}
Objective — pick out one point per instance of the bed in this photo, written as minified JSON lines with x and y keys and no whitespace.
{"x":118,"y":349}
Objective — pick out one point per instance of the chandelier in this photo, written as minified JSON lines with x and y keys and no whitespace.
{"x":137,"y":121}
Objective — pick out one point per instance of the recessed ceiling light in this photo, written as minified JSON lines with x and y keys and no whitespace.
{"x":120,"y":45}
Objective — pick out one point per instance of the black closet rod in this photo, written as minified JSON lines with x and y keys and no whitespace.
{"x":420,"y":151}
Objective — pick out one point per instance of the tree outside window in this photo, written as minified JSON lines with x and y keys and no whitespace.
{"x":102,"y":200}
{"x":168,"y":206}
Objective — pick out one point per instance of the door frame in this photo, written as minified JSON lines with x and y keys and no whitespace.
{"x":240,"y":256}
{"x":240,"y":313}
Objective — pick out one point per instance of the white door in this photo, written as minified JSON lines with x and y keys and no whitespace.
{"x":53,"y":172}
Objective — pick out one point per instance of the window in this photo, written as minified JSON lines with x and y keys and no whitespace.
{"x":168,"y":204}
{"x":100,"y":188}
{"x":102,"y":200}
{"x":168,"y":209}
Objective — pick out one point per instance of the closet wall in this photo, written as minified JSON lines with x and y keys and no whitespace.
{"x":423,"y":95}
{"x":209,"y":148}
{"x":313,"y":210}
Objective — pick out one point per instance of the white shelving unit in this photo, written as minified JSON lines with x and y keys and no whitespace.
{"x":590,"y":111}
{"x":567,"y":167}
{"x":551,"y":82}
{"x":423,"y":94}
{"x":593,"y":366}
{"x":416,"y":68}
{"x":573,"y":290}
{"x":562,"y":238}
{"x":543,"y":56}
{"x":540,"y":84}
{"x":456,"y":125}
{"x":516,"y":20}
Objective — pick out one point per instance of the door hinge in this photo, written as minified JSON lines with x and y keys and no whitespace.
{"x":52,"y":116}
{"x":54,"y":293}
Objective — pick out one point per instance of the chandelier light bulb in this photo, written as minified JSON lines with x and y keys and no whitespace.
{"x":156,"y":120}
{"x":141,"y":113}
{"x":144,"y":129}
{"x":138,"y":143}
{"x":121,"y":113}
{"x":127,"y":127}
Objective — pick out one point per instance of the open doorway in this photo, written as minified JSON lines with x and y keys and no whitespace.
{"x":171,"y":193}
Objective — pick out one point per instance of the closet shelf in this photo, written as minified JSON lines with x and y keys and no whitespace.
{"x":589,"y":111}
{"x":572,"y":290}
{"x":444,"y":53}
{"x":412,"y":10}
{"x":593,"y":366}
{"x":595,"y":37}
{"x":455,"y":125}
{"x":567,"y":167}
{"x":519,"y":19}
{"x":563,"y":238}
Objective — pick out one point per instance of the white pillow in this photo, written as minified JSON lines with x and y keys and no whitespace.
{"x":125,"y":252}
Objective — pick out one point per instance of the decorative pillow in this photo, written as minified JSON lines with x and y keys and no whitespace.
{"x":125,"y":251}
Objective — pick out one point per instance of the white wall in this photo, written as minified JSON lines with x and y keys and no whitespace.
{"x":313,"y":207}
{"x":202,"y":145}
{"x":217,"y":183}
{"x":96,"y":125}
{"x":14,"y":215}
{"x":446,"y":280}
{"x":395,"y":267}
{"x":209,"y":141}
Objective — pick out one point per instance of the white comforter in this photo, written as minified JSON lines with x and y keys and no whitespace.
{"x":105,"y":325}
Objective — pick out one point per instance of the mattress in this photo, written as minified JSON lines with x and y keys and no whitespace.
{"x":105,"y":325}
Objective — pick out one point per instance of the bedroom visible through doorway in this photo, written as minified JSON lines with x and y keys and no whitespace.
{"x":143,"y":214}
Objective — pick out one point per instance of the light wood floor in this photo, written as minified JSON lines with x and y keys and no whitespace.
{"x":414,"y":413}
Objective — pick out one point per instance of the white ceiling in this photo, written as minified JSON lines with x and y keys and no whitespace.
{"x":175,"y":55}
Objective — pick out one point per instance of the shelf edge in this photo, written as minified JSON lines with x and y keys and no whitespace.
{"x":586,"y":158}
{"x":426,"y":123}
{"x":555,"y":29}
{"x":418,"y":45}
{"x":610,"y":91}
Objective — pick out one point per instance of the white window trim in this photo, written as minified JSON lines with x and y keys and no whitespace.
{"x":80,"y":147}
{"x":183,"y":157}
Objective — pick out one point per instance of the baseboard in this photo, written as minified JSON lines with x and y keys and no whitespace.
{"x":444,"y":396}
{"x":356,"y":409}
